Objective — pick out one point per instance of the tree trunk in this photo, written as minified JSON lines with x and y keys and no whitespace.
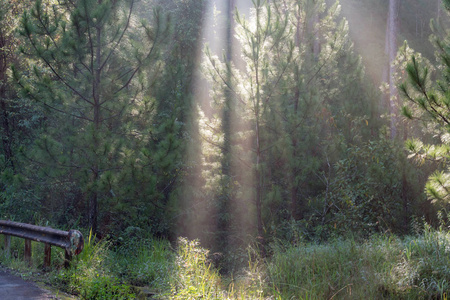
{"x":96,"y":88}
{"x":438,"y":14}
{"x":393,"y":93}
{"x":405,"y":199}
{"x":227,"y":114}
{"x":384,"y":101}
{"x":258,"y":174}
{"x":316,"y":48}
{"x":259,"y":188}
{"x":296,"y":211}
{"x":7,"y":134}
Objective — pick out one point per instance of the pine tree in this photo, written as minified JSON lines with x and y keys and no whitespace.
{"x":19,"y":118}
{"x":429,"y":95}
{"x":6,"y":57}
{"x":322,"y":105}
{"x":9,"y":101}
{"x":292,"y":99}
{"x":260,"y":38}
{"x":87,"y":83}
{"x":174,"y":148}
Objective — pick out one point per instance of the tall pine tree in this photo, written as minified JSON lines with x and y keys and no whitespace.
{"x":87,"y":62}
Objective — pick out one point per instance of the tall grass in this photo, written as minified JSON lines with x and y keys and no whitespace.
{"x":90,"y":278}
{"x":341,"y":268}
{"x":15,"y":259}
{"x":380,"y":267}
{"x":193,"y":276}
{"x":144,"y":262}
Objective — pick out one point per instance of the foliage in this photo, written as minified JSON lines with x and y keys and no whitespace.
{"x":104,"y":115}
{"x":377,"y":268}
{"x":91,"y":92}
{"x":20,"y":121}
{"x":142,"y":262}
{"x":89,"y":277}
{"x":15,"y":259}
{"x":428,"y":93}
{"x":365,"y":190}
{"x":290,"y":108}
{"x":175,"y":114}
{"x":193,"y":276}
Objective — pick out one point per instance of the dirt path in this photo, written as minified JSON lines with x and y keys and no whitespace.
{"x":15,"y":288}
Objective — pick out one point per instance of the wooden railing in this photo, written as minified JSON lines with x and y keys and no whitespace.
{"x":71,"y":241}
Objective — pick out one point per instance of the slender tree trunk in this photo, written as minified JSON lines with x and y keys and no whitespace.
{"x":405,"y":187}
{"x":258,"y":173}
{"x":296,"y":211}
{"x":7,"y":134}
{"x":316,"y":29}
{"x":313,"y":30}
{"x":96,"y":87}
{"x":259,"y":187}
{"x":226,"y":193}
{"x":384,"y":101}
{"x":393,"y":93}
{"x":438,"y":13}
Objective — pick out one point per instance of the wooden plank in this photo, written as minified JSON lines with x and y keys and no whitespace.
{"x":28,"y":251}
{"x":48,"y":255}
{"x":7,"y":245}
{"x":36,"y":233}
{"x":67,"y":259}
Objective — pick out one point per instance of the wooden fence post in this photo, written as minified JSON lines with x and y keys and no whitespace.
{"x":7,"y":245}
{"x":28,"y":251}
{"x":48,"y":255}
{"x":67,"y":259}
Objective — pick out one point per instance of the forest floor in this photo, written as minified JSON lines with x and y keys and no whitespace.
{"x":376,"y":267}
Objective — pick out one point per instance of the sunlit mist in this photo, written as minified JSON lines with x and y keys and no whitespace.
{"x":200,"y":197}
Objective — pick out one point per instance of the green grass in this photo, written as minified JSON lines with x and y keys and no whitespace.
{"x":144,"y":262}
{"x":193,"y":277}
{"x":380,"y":267}
{"x":15,"y":260}
{"x":89,"y":276}
{"x":341,"y":268}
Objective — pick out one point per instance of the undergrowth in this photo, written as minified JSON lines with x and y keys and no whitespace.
{"x":380,"y":267}
{"x":90,"y":278}
{"x":143,"y":262}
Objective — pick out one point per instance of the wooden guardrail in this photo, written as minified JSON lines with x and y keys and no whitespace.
{"x":71,"y":241}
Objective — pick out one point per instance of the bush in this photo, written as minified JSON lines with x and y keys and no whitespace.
{"x":373,"y":191}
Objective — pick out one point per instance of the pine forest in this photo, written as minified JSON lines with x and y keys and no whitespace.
{"x":229,"y":149}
